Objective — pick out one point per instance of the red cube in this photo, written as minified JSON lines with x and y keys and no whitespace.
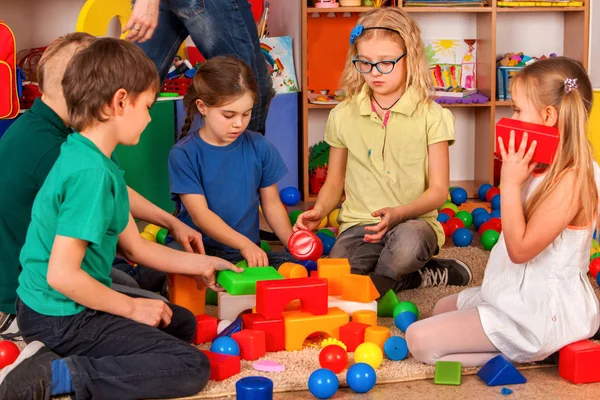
{"x":547,"y":138}
{"x":273,"y":328}
{"x":579,"y":362}
{"x":252,"y":343}
{"x":206,"y":329}
{"x":222,"y":366}
{"x":353,"y":334}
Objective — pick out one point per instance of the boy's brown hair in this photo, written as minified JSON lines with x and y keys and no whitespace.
{"x":97,"y":72}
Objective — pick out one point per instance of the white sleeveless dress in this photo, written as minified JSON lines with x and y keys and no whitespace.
{"x":529,"y":311}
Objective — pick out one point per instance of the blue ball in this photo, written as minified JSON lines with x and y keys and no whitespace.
{"x":594,"y":234}
{"x":404,"y":320}
{"x":495,"y":214}
{"x":495,"y":202}
{"x":598,"y":279}
{"x":323,"y":383}
{"x":443,"y":217}
{"x":458,"y":196}
{"x":462,"y":237}
{"x":395,"y":348}
{"x":254,"y":387}
{"x":480,"y":219}
{"x":478,"y":210}
{"x":327,"y":241}
{"x":225,"y":345}
{"x":361,"y":377}
{"x":483,"y":190}
{"x":310,"y":265}
{"x":290,"y":196}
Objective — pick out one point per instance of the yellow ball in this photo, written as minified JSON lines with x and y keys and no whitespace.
{"x":152,"y":229}
{"x":323,"y":223}
{"x":333,"y":218}
{"x":148,"y":236}
{"x":368,"y":353}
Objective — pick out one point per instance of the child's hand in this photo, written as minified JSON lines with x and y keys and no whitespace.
{"x":254,"y":255}
{"x":151,"y":312}
{"x":308,"y":220}
{"x":390,"y":217}
{"x":208,"y":274}
{"x":516,"y":166}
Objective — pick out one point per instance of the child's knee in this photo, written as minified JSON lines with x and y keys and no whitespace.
{"x":420,"y":343}
{"x":198,"y":371}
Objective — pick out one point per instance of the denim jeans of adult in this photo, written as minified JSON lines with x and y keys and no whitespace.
{"x":217,"y":27}
{"x":111,"y":357}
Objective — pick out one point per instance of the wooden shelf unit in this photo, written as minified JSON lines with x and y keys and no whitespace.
{"x":576,"y":44}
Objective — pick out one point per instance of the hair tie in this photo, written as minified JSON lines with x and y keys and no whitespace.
{"x":570,"y":84}
{"x":359,"y":29}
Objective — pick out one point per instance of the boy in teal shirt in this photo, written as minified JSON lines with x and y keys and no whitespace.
{"x":83,"y":337}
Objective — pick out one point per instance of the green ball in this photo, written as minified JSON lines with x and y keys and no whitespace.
{"x":266,"y":247}
{"x":161,"y":235}
{"x":452,"y":188}
{"x":294,"y":216}
{"x":466,"y":217}
{"x":595,"y":255}
{"x":451,"y":206}
{"x":406,"y":306}
{"x":242,"y":264}
{"x":326,"y":232}
{"x":595,"y":244}
{"x":489,"y":239}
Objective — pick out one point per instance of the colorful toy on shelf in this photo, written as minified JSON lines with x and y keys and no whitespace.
{"x":9,"y":352}
{"x":547,"y":138}
{"x":447,"y":373}
{"x":206,"y":329}
{"x":290,"y":196}
{"x":499,"y":371}
{"x":326,"y":4}
{"x":334,"y":358}
{"x":323,"y":383}
{"x":317,"y":166}
{"x":361,"y":377}
{"x":254,"y":388}
{"x":222,"y":366}
{"x":579,"y":362}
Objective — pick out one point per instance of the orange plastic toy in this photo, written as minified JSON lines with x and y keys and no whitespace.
{"x":358,"y":288}
{"x":184,"y":292}
{"x":292,"y":270}
{"x":365,"y":317}
{"x":333,"y":269}
{"x":377,"y":335}
{"x":300,"y":324}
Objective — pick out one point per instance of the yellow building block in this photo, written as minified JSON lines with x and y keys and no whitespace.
{"x":333,"y":269}
{"x":367,"y":317}
{"x":358,"y":288}
{"x":95,"y":15}
{"x":377,"y":335}
{"x":184,"y":292}
{"x":300,"y":324}
{"x":292,"y":270}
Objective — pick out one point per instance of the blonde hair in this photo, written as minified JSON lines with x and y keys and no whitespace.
{"x":545,"y":84}
{"x":408,"y":33}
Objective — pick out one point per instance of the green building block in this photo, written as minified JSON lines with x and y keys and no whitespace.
{"x":447,"y":373}
{"x":245,"y":282}
{"x":405,"y":306}
{"x":386,"y":305}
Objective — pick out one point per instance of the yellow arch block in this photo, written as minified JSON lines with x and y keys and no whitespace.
{"x":300,"y":324}
{"x":95,"y":15}
{"x":594,"y":126}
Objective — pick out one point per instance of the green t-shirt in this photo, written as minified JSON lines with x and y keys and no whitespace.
{"x":28,"y":150}
{"x":83,"y":197}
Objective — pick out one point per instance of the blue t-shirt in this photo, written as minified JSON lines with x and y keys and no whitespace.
{"x":229,"y":177}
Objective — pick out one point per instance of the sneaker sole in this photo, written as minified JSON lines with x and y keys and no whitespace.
{"x":461,"y":263}
{"x":29,"y":351}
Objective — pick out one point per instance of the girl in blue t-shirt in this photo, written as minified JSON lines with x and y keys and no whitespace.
{"x":221,"y":173}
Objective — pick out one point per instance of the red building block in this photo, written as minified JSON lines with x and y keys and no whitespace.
{"x":547,"y":138}
{"x":252,"y":343}
{"x":579,"y":362}
{"x":222,"y":366}
{"x":274,"y":330}
{"x":206,"y":329}
{"x":353,"y":334}
{"x":273,"y":296}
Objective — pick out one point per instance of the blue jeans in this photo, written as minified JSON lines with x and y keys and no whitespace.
{"x":217,"y":27}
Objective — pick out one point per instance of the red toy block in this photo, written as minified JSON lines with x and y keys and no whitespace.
{"x":314,"y":274}
{"x":206,"y":329}
{"x":252,"y":343}
{"x":353,"y":334}
{"x":579,"y":362}
{"x":273,"y":296}
{"x":222,"y":366}
{"x":274,"y":330}
{"x":547,"y":138}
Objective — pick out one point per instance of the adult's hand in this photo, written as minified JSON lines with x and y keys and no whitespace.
{"x":143,"y":21}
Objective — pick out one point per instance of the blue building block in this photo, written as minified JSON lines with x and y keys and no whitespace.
{"x":234,"y":327}
{"x":499,"y":371}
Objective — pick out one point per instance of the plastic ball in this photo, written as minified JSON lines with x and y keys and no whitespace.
{"x":598,"y":279}
{"x":448,"y":211}
{"x":327,"y":232}
{"x":368,"y":353}
{"x":290,"y":196}
{"x":327,"y":241}
{"x":492,"y":223}
{"x":495,"y":202}
{"x":462,"y":237}
{"x":483,"y":191}
{"x":395,"y":348}
{"x":443,"y":217}
{"x":594,"y":256}
{"x":495,"y":214}
{"x":595,"y":244}
{"x":294,"y":216}
{"x":161,"y":235}
{"x":451,"y":206}
{"x":333,"y":217}
{"x":445,"y":228}
{"x":478,"y":210}
{"x":323,"y":223}
{"x":491,"y":193}
{"x":310,"y":265}
{"x":404,"y":306}
{"x":323,"y":383}
{"x":403,"y":320}
{"x":148,"y":236}
{"x":459,"y":196}
{"x":334,"y":358}
{"x":305,"y":245}
{"x":466,"y":218}
{"x":8,"y":353}
{"x":480,"y":218}
{"x":361,"y":377}
{"x":266,"y":247}
{"x":152,"y":229}
{"x":595,"y":267}
{"x":489,"y":239}
{"x":453,"y":224}
{"x":225,"y":345}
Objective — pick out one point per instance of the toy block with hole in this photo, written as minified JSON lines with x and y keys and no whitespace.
{"x":273,"y":296}
{"x":292,"y":270}
{"x":499,"y":371}
{"x":245,"y":282}
{"x":447,"y":373}
{"x":300,"y":324}
{"x":184,"y":292}
{"x":365,"y":317}
{"x":579,"y":362}
{"x":377,"y":335}
{"x":252,"y":343}
{"x":332,"y":269}
{"x":273,"y":328}
{"x":206,"y":329}
{"x":232,"y":306}
{"x":291,"y":306}
{"x":353,"y":334}
{"x":358,"y":288}
{"x":222,"y":366}
{"x":351,"y":306}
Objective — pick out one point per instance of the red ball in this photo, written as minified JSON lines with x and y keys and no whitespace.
{"x":491,"y":193}
{"x":8,"y":353}
{"x":595,"y":267}
{"x":492,"y":223}
{"x":305,"y":245}
{"x":445,"y":227}
{"x":334,"y":358}
{"x":453,"y":224}
{"x":448,"y":211}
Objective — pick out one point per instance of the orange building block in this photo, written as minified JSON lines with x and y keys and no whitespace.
{"x":184,"y":292}
{"x":300,"y":324}
{"x":292,"y":270}
{"x":358,"y":288}
{"x":367,"y":317}
{"x":377,"y":335}
{"x":333,"y":269}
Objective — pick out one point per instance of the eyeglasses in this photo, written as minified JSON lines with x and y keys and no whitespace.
{"x":384,"y":66}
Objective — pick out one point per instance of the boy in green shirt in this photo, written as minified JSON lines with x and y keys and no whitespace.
{"x":85,"y":338}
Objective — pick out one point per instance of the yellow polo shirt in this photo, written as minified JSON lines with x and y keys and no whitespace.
{"x":379,"y":176}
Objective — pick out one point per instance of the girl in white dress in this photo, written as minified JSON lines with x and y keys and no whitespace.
{"x":536,"y":296}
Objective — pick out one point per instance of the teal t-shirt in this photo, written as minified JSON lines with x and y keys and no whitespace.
{"x":83,"y":197}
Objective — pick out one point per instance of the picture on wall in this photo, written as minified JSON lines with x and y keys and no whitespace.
{"x":278,"y":52}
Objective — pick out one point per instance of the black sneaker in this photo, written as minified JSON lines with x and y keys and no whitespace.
{"x":8,"y":327}
{"x":445,"y":271}
{"x":5,"y":320}
{"x":30,"y":376}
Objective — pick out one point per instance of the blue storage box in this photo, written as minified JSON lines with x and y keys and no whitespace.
{"x":503,"y":77}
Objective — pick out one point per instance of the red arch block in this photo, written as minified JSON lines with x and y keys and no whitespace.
{"x":273,"y":296}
